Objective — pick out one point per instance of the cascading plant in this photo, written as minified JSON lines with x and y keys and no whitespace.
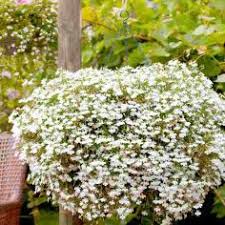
{"x":111,"y":145}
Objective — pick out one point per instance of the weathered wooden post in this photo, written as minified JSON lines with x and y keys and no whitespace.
{"x":69,"y":34}
{"x":69,"y":58}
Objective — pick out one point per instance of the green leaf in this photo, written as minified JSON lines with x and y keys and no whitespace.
{"x":218,"y":4}
{"x":157,"y":50}
{"x":114,"y":220}
{"x":209,"y":66}
{"x":136,"y":57}
{"x":146,"y":221}
{"x":87,"y":55}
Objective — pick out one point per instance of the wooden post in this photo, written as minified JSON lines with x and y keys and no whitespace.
{"x":69,"y":34}
{"x":66,"y":218}
{"x":69,"y":58}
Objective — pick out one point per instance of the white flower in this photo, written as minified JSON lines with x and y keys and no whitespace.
{"x":107,"y":139}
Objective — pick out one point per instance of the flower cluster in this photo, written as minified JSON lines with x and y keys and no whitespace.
{"x":28,"y":49}
{"x":109,"y":144}
{"x":28,"y":26}
{"x":19,"y":2}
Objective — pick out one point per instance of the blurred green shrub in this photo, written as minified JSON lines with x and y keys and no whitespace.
{"x":158,"y":30}
{"x":28,"y":46}
{"x":219,"y":202}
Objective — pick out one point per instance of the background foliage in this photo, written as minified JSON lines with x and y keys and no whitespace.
{"x":157,"y":31}
{"x":27,"y":50}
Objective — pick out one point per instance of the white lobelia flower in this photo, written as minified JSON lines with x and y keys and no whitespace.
{"x":103,"y":142}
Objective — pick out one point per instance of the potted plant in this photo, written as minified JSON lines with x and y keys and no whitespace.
{"x":114,"y":145}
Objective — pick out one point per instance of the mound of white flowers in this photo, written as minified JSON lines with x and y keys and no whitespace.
{"x":106,"y":143}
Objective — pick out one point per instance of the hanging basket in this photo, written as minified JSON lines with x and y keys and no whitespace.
{"x":113,"y":144}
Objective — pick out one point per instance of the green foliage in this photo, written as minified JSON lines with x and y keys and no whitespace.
{"x":27,"y":50}
{"x":34,"y":202}
{"x":48,"y":217}
{"x":219,"y":203}
{"x":157,"y":31}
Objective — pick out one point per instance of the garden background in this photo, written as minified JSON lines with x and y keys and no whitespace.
{"x":148,"y":32}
